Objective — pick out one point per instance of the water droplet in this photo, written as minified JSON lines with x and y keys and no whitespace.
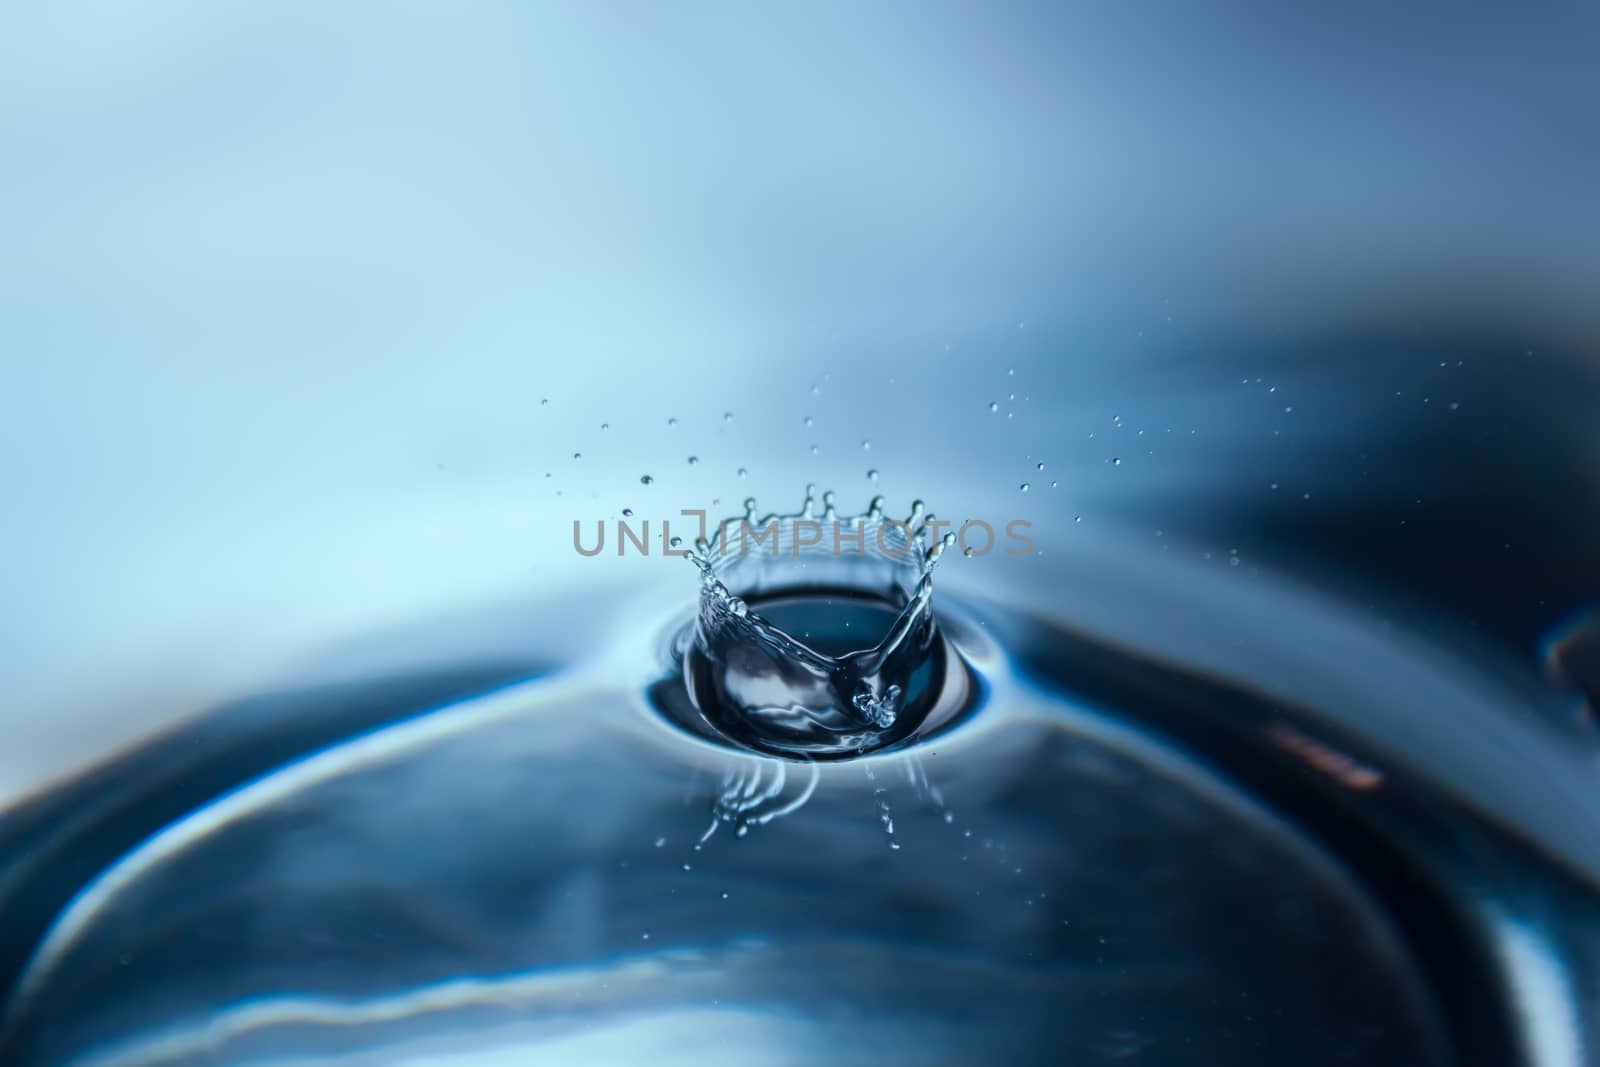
{"x":994,"y":405}
{"x":743,"y":473}
{"x":869,"y":697}
{"x":1038,"y":466}
{"x":727,"y":416}
{"x":873,"y":474}
{"x":645,"y":479}
{"x":1054,"y":484}
{"x":605,"y":426}
{"x":1024,"y":487}
{"x":866,"y":446}
{"x":815,"y":450}
{"x":1454,"y":406}
{"x":577,"y":455}
{"x":675,"y":542}
{"x":1116,"y":461}
{"x":693,"y":460}
{"x":816,"y":390}
{"x":809,"y":421}
{"x":627,"y":513}
{"x":545,"y":402}
{"x":1010,"y":371}
{"x":1077,"y":518}
{"x":672,"y":420}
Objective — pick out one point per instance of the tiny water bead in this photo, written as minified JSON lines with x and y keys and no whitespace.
{"x":994,"y":405}
{"x":1024,"y":487}
{"x":693,"y":460}
{"x":645,"y":479}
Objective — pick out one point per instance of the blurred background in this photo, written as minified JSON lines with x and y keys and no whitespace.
{"x":319,"y":320}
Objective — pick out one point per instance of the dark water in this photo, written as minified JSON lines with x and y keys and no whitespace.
{"x":1110,"y":859}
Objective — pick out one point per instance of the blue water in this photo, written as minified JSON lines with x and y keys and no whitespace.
{"x":1112,"y":857}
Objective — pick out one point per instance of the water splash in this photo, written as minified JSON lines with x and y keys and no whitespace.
{"x":815,"y":635}
{"x":754,"y":794}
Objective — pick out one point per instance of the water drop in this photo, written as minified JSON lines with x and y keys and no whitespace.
{"x":873,"y":474}
{"x":1038,"y":466}
{"x":577,"y":455}
{"x":743,"y":473}
{"x":815,"y":450}
{"x":809,"y":421}
{"x":816,"y":390}
{"x":645,"y":479}
{"x":627,"y":513}
{"x":693,"y":460}
{"x":1116,"y":461}
{"x":675,"y":542}
{"x":994,"y":405}
{"x":605,"y":426}
{"x":1024,"y":487}
{"x":832,"y":704}
{"x":727,"y":416}
{"x":1077,"y":518}
{"x":672,"y":420}
{"x":1054,"y":484}
{"x":866,"y":446}
{"x":545,"y":402}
